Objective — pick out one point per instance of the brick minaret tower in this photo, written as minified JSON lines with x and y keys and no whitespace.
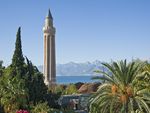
{"x":49,"y":51}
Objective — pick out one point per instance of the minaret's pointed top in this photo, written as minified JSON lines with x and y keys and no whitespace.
{"x":50,"y":15}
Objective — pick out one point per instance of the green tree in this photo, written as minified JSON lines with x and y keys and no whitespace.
{"x":52,"y":99}
{"x":120,"y":94}
{"x":60,"y":88}
{"x":71,"y":89}
{"x":38,"y":91}
{"x":13,"y":94}
{"x":44,"y":108}
{"x":1,"y":68}
{"x":41,"y":108}
{"x":18,"y":59}
{"x":35,"y":83}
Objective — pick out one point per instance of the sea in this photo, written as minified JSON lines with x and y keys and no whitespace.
{"x":74,"y":79}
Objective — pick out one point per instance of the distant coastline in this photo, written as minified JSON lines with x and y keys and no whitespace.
{"x":77,"y":75}
{"x":74,"y":79}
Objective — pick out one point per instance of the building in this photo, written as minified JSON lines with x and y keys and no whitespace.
{"x":49,"y":51}
{"x":76,"y":102}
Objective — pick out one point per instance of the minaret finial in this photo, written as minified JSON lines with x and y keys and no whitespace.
{"x":50,"y":15}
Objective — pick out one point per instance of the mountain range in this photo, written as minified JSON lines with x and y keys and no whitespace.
{"x":75,"y":69}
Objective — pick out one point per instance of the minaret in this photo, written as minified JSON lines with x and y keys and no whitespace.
{"x":49,"y":51}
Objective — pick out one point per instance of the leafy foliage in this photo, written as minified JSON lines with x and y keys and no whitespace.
{"x":44,"y":108}
{"x":60,"y":89}
{"x":35,"y":84}
{"x":71,"y":89}
{"x":13,"y":94}
{"x":1,"y":68}
{"x":65,"y":89}
{"x":52,"y":99}
{"x":41,"y":108}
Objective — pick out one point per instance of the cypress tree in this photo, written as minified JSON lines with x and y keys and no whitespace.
{"x":18,"y":59}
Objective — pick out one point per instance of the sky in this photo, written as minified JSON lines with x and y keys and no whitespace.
{"x":86,"y":30}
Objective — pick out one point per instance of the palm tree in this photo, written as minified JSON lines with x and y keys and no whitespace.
{"x":120,"y":93}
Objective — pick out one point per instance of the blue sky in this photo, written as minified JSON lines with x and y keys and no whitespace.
{"x":86,"y":30}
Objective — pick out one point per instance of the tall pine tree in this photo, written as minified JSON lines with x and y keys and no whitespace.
{"x":18,"y":59}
